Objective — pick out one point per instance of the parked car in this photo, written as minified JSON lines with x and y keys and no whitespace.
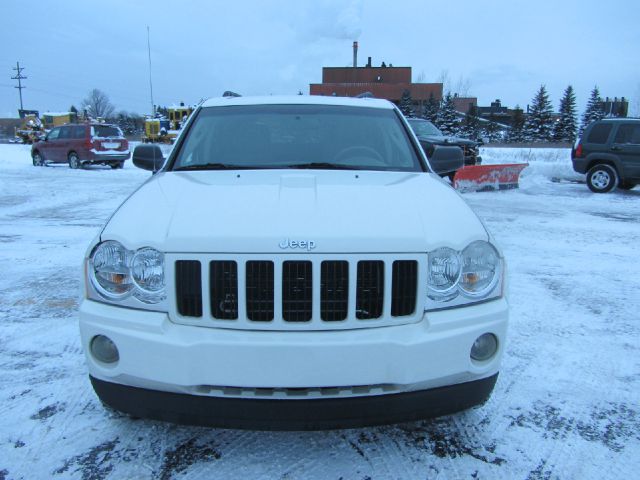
{"x":82,"y":144}
{"x":437,"y":145}
{"x":609,"y":153}
{"x":293,"y":264}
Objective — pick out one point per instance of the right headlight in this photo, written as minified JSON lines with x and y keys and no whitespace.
{"x":110,"y":273}
{"x":117,"y":274}
{"x":464,"y":277}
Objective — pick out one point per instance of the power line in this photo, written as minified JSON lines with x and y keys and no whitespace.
{"x":19,"y":77}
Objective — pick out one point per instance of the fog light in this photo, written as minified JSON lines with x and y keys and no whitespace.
{"x":484,"y":347}
{"x":104,"y":350}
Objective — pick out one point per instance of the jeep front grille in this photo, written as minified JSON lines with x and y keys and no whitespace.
{"x":189,"y":288}
{"x":259,"y":285}
{"x":223,"y":281}
{"x":296,"y":291}
{"x":370,"y":291}
{"x":405,"y":282}
{"x":316,"y":294}
{"x":334,"y":290}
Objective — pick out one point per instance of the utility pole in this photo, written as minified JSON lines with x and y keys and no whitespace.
{"x":153,"y":107}
{"x":19,"y":77}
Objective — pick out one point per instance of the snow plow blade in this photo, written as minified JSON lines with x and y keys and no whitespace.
{"x":478,"y":178}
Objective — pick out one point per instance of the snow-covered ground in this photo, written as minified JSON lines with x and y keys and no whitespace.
{"x":567,"y":403}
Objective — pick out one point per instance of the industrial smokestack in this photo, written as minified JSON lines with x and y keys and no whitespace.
{"x":355,"y":54}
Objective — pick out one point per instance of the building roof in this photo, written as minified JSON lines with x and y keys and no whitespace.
{"x":298,"y":100}
{"x":366,"y":74}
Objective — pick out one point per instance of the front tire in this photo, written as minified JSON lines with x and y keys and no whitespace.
{"x":116,"y":165}
{"x":74,"y":161}
{"x":624,"y":185}
{"x":602,"y":178}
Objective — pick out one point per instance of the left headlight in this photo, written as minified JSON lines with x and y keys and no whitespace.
{"x":117,"y":273}
{"x":480,"y":271}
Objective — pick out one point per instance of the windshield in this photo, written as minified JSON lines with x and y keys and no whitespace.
{"x":424,"y":128}
{"x":297,"y":136}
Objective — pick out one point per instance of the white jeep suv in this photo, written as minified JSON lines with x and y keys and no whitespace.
{"x":295,"y":264}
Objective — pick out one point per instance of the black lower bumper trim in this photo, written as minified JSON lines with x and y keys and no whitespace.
{"x":313,"y":414}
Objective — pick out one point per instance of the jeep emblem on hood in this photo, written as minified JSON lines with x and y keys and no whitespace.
{"x":303,"y":244}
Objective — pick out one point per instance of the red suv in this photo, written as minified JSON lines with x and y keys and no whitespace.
{"x":80,"y":144}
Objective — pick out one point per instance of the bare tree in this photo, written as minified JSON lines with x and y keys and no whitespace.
{"x":461,"y":88}
{"x":444,"y":79}
{"x":97,"y":104}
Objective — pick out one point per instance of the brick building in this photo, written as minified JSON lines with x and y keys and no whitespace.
{"x":385,"y":81}
{"x":464,"y":104}
{"x":382,"y":82}
{"x":497,"y":112}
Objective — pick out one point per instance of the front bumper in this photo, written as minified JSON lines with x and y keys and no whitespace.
{"x":161,"y":357}
{"x":293,"y":414}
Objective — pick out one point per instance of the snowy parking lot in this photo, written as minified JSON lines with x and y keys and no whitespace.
{"x":566,"y":405}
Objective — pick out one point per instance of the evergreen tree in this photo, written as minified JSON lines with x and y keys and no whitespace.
{"x":447,"y":120}
{"x":539,"y":124}
{"x":129,"y":123}
{"x":491,"y":129}
{"x":406,"y":104}
{"x":516,"y":133}
{"x":471,"y":125}
{"x":594,"y":109}
{"x":430,"y":109}
{"x":567,"y":126}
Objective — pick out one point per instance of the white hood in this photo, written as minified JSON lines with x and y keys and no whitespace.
{"x":253,"y":211}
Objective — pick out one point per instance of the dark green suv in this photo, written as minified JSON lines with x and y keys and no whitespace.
{"x":609,"y":153}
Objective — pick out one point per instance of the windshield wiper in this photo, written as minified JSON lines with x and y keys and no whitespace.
{"x":213,"y":166}
{"x":322,"y":166}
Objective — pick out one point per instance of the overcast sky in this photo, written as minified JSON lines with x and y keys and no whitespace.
{"x":504,"y":48}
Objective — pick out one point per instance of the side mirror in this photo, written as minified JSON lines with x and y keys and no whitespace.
{"x":148,"y":157}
